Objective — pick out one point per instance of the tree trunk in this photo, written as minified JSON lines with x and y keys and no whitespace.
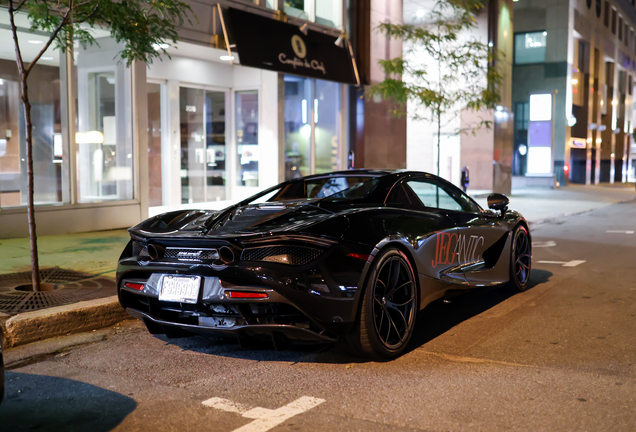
{"x":33,"y":240}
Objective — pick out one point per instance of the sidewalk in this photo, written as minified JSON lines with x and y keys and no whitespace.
{"x":95,"y":252}
{"x":22,"y":314}
{"x":538,"y":205}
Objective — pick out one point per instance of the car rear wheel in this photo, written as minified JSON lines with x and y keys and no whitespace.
{"x":520,"y":259}
{"x":389,"y":307}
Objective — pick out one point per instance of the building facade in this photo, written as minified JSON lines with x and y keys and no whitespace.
{"x":486,"y":152}
{"x":254,"y":93}
{"x":574,"y":68}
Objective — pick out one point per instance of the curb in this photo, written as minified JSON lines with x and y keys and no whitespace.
{"x":61,"y":320}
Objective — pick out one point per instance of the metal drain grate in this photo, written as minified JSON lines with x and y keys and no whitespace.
{"x":72,"y":287}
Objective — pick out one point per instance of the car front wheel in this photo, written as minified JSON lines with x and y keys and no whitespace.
{"x":520,"y":259}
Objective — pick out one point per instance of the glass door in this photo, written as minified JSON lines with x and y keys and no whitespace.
{"x":203,"y":145}
{"x":312,"y":126}
{"x":155,"y":172}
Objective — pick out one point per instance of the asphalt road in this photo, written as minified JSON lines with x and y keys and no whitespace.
{"x":560,"y":356}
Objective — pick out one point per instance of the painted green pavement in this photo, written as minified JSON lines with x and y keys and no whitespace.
{"x":94,"y":252}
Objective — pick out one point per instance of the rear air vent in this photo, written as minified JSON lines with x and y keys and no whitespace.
{"x":140,"y":250}
{"x":291,"y":255}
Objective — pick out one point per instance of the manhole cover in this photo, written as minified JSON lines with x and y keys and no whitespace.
{"x":70,"y":287}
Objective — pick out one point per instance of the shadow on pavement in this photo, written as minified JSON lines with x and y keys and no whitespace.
{"x":438,"y":317}
{"x":433,"y":321}
{"x":45,"y":403}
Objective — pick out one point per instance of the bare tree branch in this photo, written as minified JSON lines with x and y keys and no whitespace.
{"x":51,"y":38}
{"x":14,"y":32}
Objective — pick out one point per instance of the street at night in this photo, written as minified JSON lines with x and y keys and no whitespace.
{"x":317,"y":215}
{"x":559,"y":356}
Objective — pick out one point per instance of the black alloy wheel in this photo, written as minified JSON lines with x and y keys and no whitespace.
{"x":520,"y":259}
{"x":389,"y":307}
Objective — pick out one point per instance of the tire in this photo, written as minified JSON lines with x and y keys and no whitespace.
{"x":386,"y":322}
{"x":520,"y":259}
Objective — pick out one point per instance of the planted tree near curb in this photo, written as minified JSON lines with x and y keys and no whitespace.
{"x":140,"y":25}
{"x":444,"y":71}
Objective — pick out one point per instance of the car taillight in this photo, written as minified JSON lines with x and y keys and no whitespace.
{"x":243,"y":294}
{"x":363,"y":257}
{"x":135,"y":286}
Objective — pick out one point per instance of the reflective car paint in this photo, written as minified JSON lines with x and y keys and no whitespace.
{"x":450,"y":250}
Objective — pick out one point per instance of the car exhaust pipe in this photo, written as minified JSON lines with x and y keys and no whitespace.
{"x":226,"y":254}
{"x":155,"y":251}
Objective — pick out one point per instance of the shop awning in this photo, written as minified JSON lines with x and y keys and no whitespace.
{"x":266,"y":43}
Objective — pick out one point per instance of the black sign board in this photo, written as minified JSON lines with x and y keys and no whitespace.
{"x":265,"y":43}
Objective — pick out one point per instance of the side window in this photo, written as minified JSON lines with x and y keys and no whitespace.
{"x":434,"y":196}
{"x":402,"y":196}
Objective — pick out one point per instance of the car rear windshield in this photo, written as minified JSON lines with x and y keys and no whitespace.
{"x":321,"y":188}
{"x":360,"y":190}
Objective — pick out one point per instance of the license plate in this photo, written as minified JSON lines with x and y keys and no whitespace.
{"x":182,"y":289}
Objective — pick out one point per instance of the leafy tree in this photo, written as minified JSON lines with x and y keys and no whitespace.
{"x":141,"y":25}
{"x":442,"y":70}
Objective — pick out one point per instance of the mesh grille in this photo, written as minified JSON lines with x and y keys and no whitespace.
{"x":139,"y":249}
{"x":292,"y":255}
{"x":191,"y":254}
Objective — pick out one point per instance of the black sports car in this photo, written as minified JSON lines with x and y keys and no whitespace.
{"x":350,"y":255}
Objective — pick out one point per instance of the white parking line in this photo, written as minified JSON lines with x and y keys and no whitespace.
{"x":619,"y":232}
{"x":226,"y":405}
{"x":264,"y":418}
{"x":549,"y":243}
{"x":573,"y":263}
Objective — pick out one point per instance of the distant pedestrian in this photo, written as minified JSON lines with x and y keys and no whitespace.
{"x":465,"y":178}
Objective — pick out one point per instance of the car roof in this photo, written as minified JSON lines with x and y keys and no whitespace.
{"x":364,"y":172}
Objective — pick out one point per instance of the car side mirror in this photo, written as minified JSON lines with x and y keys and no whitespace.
{"x":497,"y":201}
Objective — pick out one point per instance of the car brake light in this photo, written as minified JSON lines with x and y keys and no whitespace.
{"x":363,"y":257}
{"x":243,"y":294}
{"x":135,"y":286}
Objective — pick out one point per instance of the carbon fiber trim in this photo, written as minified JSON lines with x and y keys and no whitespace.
{"x":140,"y":250}
{"x":191,"y":254}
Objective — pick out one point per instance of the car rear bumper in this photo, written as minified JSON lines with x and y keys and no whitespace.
{"x":277,"y":332}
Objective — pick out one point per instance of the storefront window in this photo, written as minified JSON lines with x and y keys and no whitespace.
{"x":296,"y":8}
{"x":203,"y":151}
{"x":325,"y":12}
{"x":312,"y":126}
{"x":329,"y":12}
{"x":153,"y":91}
{"x":326,"y":120}
{"x":298,"y":94}
{"x":530,"y":47}
{"x":104,"y":123}
{"x":50,"y":152}
{"x":246,"y":122}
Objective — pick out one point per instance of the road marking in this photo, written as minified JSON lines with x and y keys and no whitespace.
{"x":619,"y":232}
{"x":226,"y":405}
{"x":549,"y":243}
{"x":572,"y":263}
{"x":264,"y":418}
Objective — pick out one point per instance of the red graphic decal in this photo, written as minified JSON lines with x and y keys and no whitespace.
{"x":464,"y":249}
{"x":443,"y":254}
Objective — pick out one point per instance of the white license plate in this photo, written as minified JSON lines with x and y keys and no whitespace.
{"x":182,"y":289}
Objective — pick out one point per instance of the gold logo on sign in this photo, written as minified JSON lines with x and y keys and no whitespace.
{"x":298,"y":44}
